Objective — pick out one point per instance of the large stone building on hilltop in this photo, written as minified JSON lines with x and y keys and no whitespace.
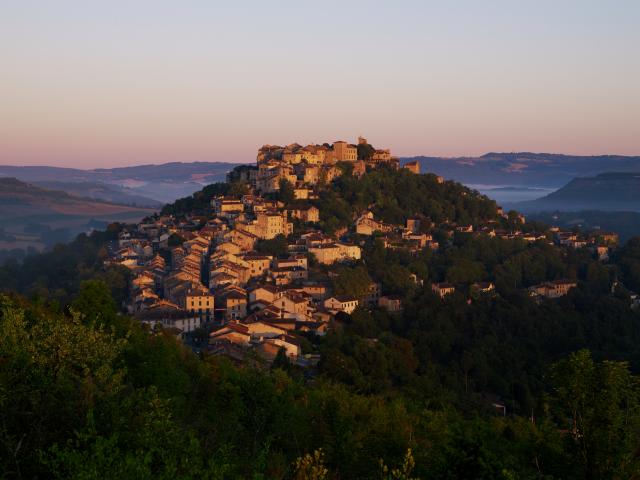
{"x":345,"y":152}
{"x":313,"y":164}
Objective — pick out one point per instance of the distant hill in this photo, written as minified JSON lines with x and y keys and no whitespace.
{"x":160,"y":183}
{"x":525,"y":168}
{"x":32,"y":216}
{"x":102,"y":191}
{"x":607,"y":191}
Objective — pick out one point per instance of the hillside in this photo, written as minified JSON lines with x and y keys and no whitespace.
{"x":110,"y":193}
{"x":443,"y":386}
{"x":161,"y":183}
{"x":32,"y":216}
{"x":606,"y":192}
{"x":525,"y":168}
{"x":392,"y":196}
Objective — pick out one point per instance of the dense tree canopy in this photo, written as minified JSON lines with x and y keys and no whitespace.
{"x":394,"y":196}
{"x":80,"y":399}
{"x":57,"y":274}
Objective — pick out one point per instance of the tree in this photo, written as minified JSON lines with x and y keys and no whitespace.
{"x":628,"y":258}
{"x":311,"y":467}
{"x":276,"y":246}
{"x":286,"y":193}
{"x":365,"y":151}
{"x":465,"y":271}
{"x":346,"y":168}
{"x":281,"y":361}
{"x":95,"y":304}
{"x":403,"y":472}
{"x":113,"y":229}
{"x":175,"y":240}
{"x":55,"y":371}
{"x":312,"y":260}
{"x":352,"y":281}
{"x":397,"y":279}
{"x":599,"y":404}
{"x":238,"y":188}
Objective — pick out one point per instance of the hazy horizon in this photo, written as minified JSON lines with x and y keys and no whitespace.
{"x":252,"y":161}
{"x":98,"y":86}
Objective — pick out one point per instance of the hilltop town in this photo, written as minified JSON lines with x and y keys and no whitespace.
{"x":333,"y":304}
{"x":320,"y":241}
{"x":253,"y":265}
{"x":315,"y":165}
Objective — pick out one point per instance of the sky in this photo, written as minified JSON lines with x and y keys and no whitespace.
{"x":99,"y":84}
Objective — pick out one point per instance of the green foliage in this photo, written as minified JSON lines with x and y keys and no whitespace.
{"x":54,"y":372}
{"x":175,"y":240}
{"x":335,"y":212}
{"x":311,"y":467}
{"x":78,"y":401}
{"x":397,"y":280}
{"x":281,"y":361}
{"x":396,"y":195}
{"x":286,"y":193}
{"x":465,"y":271}
{"x":499,"y":344}
{"x":351,"y":281}
{"x":276,"y":246}
{"x":346,"y":168}
{"x":238,"y":189}
{"x":85,"y":392}
{"x":401,"y":473}
{"x":628,"y":258}
{"x":95,"y":304}
{"x":600,"y":404}
{"x":365,"y":151}
{"x":57,"y":274}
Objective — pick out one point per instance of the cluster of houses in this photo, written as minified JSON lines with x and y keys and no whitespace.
{"x":196,"y":272}
{"x":442,"y":289}
{"x":553,"y":289}
{"x":199,"y":272}
{"x":413,"y":236}
{"x":305,"y":167}
{"x":207,"y":273}
{"x":598,"y":241}
{"x":550,"y":290}
{"x":416,"y":234}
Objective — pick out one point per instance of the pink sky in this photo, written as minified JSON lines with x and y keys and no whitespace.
{"x":97,"y":86}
